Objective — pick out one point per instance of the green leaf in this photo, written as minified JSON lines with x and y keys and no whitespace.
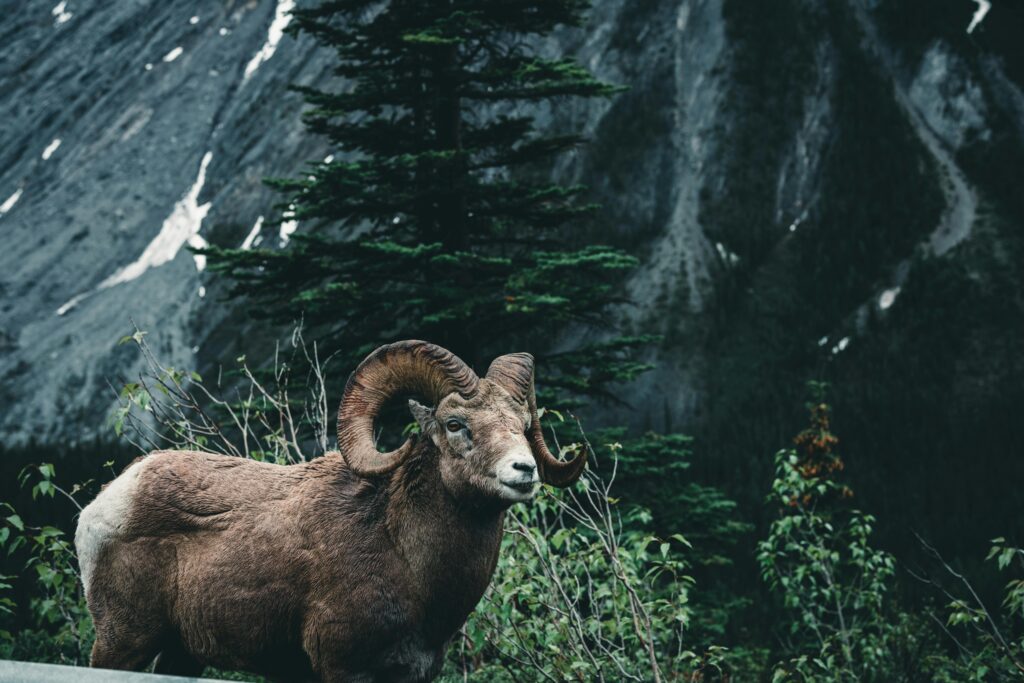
{"x":44,"y":487}
{"x":681,"y":539}
{"x":15,"y":544}
{"x":134,"y":336}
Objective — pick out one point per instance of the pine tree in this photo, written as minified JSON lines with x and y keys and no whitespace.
{"x":438,"y":220}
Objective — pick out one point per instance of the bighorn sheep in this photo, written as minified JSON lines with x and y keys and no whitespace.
{"x":356,"y":566}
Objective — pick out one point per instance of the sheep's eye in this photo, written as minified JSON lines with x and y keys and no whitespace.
{"x":453,"y":425}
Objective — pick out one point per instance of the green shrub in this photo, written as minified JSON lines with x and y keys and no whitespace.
{"x":819,"y":559}
{"x":988,"y":645}
{"x":583,"y":591}
{"x":62,"y":629}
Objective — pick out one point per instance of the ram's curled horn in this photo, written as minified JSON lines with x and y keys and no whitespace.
{"x":514,"y":373}
{"x":405,"y":367}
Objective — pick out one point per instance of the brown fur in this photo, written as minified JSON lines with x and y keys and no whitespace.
{"x":308,"y":571}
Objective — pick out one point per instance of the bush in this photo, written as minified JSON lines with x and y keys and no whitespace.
{"x":989,"y":645}
{"x":62,"y":628}
{"x":819,"y":559}
{"x":583,"y":591}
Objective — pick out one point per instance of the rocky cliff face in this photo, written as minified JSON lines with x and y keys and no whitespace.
{"x":815,"y":189}
{"x":130,"y":130}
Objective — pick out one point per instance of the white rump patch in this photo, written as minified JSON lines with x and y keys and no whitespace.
{"x":103,"y":518}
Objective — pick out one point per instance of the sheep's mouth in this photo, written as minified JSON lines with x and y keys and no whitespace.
{"x":524,"y":488}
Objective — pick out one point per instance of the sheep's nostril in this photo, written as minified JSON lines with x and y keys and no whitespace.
{"x":527,"y":467}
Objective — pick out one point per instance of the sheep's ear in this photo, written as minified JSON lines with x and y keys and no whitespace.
{"x":424,"y":417}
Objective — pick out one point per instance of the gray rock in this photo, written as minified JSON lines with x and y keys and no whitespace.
{"x":138,"y":95}
{"x":950,"y":101}
{"x":25,"y":672}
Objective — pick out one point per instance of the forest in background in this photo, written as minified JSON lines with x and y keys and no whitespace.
{"x":452,"y":230}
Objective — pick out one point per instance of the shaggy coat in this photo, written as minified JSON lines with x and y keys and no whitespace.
{"x":379,"y":606}
{"x":357,"y":566}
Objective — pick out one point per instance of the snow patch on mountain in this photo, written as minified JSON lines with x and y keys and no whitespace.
{"x":60,"y":13}
{"x":282,"y":17}
{"x":180,"y":228}
{"x":50,"y":149}
{"x":979,"y":14}
{"x":888,"y":298}
{"x":253,"y":238}
{"x":10,"y":202}
{"x":173,"y":54}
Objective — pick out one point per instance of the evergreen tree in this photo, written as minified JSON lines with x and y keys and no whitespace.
{"x":437,"y":219}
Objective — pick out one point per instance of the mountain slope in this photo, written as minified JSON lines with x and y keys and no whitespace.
{"x":816,"y":190}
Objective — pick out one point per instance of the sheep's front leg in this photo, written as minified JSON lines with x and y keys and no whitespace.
{"x":126,"y":636}
{"x":341,"y":675}
{"x":122,"y":654}
{"x":327,"y":639}
{"x":174,"y":660}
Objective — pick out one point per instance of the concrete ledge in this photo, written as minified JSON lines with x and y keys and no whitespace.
{"x":25,"y":672}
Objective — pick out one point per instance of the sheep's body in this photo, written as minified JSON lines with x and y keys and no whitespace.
{"x":358,"y":566}
{"x":291,"y":571}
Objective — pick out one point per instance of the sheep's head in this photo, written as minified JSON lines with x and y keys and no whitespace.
{"x":486,"y":430}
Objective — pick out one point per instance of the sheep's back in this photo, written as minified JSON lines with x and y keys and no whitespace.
{"x":215,"y":544}
{"x":187,"y":491}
